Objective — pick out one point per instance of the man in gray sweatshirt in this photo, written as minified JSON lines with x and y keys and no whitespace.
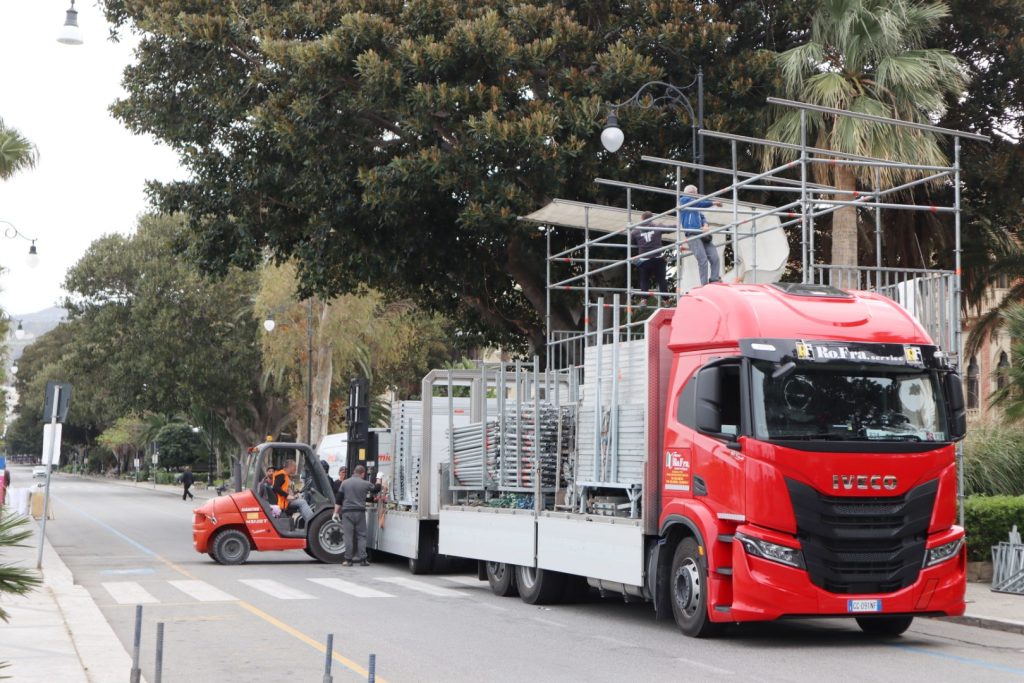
{"x":351,"y":504}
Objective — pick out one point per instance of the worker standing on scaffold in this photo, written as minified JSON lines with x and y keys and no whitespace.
{"x":647,"y":238}
{"x":694,"y":223}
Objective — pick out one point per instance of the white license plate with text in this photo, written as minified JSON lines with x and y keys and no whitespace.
{"x":863,"y":605}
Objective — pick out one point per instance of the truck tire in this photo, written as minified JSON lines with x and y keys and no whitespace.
{"x":888,"y":627}
{"x":539,"y":586}
{"x":230,"y":546}
{"x":502,"y":578}
{"x":426,"y":554}
{"x":324,"y":541}
{"x":688,"y":585}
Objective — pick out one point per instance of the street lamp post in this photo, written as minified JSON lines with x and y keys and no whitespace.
{"x":612,"y":136}
{"x":11,"y":232}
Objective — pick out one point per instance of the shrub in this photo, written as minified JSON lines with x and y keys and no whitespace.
{"x":988,"y":520}
{"x":994,"y":461}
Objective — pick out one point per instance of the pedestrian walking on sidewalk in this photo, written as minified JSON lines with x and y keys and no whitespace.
{"x":187,"y":480}
{"x":351,"y":503}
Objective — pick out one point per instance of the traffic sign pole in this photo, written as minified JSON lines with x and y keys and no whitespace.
{"x":49,"y":472}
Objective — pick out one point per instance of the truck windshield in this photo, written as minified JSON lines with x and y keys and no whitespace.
{"x":846,"y":404}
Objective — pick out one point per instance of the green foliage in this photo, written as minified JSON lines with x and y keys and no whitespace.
{"x":17,"y":153}
{"x":15,"y":580}
{"x":179,"y":445}
{"x":149,"y":334}
{"x":994,"y":461}
{"x":988,"y":520}
{"x":871,"y":57}
{"x":395,"y":144}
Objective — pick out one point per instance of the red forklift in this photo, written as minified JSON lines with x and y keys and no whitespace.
{"x":229,"y":527}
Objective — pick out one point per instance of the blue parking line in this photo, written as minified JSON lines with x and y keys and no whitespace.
{"x":109,"y":528}
{"x":957,"y":658}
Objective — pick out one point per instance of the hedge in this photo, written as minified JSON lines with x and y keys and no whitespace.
{"x":988,"y":520}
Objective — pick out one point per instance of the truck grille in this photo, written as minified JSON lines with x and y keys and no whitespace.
{"x":862,"y":545}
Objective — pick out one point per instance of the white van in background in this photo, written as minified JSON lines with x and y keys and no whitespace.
{"x":333,"y":448}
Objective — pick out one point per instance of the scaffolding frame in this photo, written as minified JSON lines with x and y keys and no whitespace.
{"x":932,"y":294}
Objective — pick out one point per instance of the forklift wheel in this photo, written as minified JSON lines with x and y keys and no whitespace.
{"x":230,"y":546}
{"x":325,"y":541}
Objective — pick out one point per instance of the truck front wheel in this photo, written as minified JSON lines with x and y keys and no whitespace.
{"x":888,"y":627}
{"x":502,"y":578}
{"x":230,"y":546}
{"x":689,"y":585}
{"x":539,"y":586}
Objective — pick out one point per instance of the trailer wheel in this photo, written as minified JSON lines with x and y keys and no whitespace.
{"x":539,"y":586}
{"x":502,"y":578}
{"x":230,"y":546}
{"x":324,"y":541}
{"x":888,"y":627}
{"x":689,"y":591}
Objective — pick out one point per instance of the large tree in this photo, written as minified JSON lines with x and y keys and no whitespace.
{"x":868,"y":56}
{"x":395,"y":143}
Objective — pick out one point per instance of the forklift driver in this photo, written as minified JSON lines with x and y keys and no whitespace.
{"x":290,"y":502}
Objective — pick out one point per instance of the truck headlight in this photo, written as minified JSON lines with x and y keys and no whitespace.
{"x":946,"y":551}
{"x":767,"y":550}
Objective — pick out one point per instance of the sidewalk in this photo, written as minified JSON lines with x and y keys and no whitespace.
{"x":998,"y":611}
{"x":56,"y":632}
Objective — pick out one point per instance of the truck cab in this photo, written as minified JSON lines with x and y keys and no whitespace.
{"x":808,"y":460}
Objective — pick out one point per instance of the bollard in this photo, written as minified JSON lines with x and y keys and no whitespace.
{"x":136,"y":674}
{"x":371,"y":673}
{"x":158,"y":674}
{"x":328,"y":655}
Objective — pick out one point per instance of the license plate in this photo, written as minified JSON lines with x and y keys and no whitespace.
{"x":863,"y":605}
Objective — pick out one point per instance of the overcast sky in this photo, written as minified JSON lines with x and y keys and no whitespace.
{"x":91,"y":172}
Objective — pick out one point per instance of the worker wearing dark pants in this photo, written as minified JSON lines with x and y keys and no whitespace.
{"x":351,"y":504}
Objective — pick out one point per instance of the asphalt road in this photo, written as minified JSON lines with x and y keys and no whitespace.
{"x":263,"y":620}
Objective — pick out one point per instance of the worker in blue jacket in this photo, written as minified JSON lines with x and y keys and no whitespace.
{"x":694,"y":222}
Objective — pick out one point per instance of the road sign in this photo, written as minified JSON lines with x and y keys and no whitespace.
{"x":63,"y":402}
{"x":48,"y":438}
{"x":155,"y":457}
{"x":137,"y":463}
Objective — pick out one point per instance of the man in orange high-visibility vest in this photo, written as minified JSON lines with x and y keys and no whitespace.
{"x":290,"y":502}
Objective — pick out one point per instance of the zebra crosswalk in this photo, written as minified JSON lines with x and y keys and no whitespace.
{"x":153,"y":591}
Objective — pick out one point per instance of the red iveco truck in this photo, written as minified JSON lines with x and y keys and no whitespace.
{"x":763,"y":451}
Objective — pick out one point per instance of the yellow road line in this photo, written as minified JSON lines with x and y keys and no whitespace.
{"x":344,"y":661}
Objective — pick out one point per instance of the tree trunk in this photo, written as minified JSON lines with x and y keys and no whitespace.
{"x":844,"y":232}
{"x":323,"y":365}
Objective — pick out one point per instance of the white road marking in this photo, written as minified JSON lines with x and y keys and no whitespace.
{"x":128,"y":593}
{"x":353,"y":589}
{"x":705,"y":666}
{"x":276,"y":589}
{"x":467,"y":581}
{"x":202,"y":591}
{"x":423,"y":587}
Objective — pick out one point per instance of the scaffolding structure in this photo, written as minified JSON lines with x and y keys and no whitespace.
{"x":599,"y":266}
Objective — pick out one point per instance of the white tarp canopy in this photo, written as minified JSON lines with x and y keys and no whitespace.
{"x":761,"y":259}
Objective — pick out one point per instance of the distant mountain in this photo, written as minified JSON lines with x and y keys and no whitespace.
{"x":35,"y":325}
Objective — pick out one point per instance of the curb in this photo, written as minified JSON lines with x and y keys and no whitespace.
{"x":103,"y":658}
{"x":986,"y":623}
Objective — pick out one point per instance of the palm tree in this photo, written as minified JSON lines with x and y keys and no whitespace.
{"x":1011,"y":396}
{"x":17,"y":153}
{"x":13,"y":532}
{"x":867,"y":56}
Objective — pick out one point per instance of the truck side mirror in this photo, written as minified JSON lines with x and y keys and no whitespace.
{"x":956,"y":406}
{"x":709,"y":400}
